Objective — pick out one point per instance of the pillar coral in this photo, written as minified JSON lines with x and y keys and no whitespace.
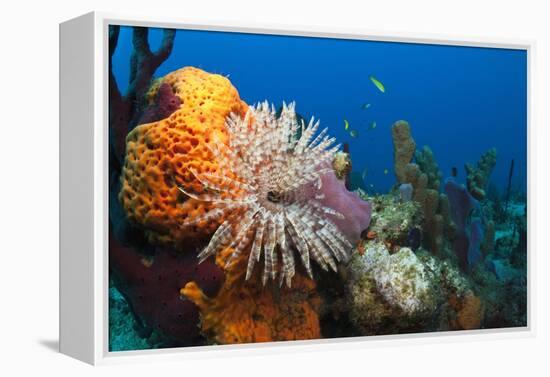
{"x":159,"y":155}
{"x":247,"y":312}
{"x":478,"y":176}
{"x":427,"y":163}
{"x":403,"y":149}
{"x":424,"y":176}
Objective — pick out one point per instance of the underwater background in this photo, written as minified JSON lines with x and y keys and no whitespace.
{"x":462,"y":102}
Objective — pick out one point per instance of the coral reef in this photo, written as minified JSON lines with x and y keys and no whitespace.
{"x":205,"y":175}
{"x":161,"y":155}
{"x":478,"y":176}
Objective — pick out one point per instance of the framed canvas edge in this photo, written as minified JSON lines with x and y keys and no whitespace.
{"x":102,"y":355}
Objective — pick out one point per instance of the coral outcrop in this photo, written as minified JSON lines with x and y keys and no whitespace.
{"x":478,"y":176}
{"x":161,"y":155}
{"x":393,"y":220}
{"x":400,"y":278}
{"x":406,"y":291}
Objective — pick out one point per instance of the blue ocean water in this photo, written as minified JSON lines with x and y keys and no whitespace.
{"x":460,"y":101}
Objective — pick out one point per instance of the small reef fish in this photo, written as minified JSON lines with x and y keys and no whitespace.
{"x":354,"y":133}
{"x":365,"y":106}
{"x":364,"y":174}
{"x":373,"y":126}
{"x":378,"y":84}
{"x":346,"y":124}
{"x":454,"y":171}
{"x":386,"y":171}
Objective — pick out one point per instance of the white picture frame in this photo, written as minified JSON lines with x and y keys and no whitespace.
{"x":84,"y":190}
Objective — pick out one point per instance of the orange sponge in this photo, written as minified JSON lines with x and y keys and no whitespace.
{"x":159,"y":156}
{"x":469,"y":312}
{"x":246,"y":312}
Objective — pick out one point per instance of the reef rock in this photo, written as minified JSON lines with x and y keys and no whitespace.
{"x":400,"y":278}
{"x":393,"y":219}
{"x":407,"y":292}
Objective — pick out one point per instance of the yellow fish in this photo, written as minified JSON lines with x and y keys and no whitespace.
{"x":378,"y":84}
{"x":354,"y":133}
{"x":365,"y":106}
{"x":373,"y":126}
{"x":386,"y":171}
{"x":346,"y":124}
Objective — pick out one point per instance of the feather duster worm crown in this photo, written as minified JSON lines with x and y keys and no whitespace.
{"x":268,"y":190}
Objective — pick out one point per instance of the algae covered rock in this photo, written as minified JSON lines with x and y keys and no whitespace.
{"x":404,"y":291}
{"x":391,"y":292}
{"x":401,"y":278}
{"x":393,"y":219}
